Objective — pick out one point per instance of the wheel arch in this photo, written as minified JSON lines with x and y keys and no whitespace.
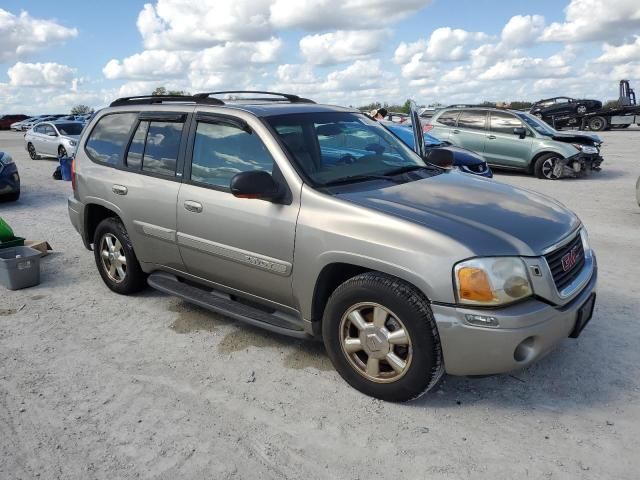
{"x":94,"y":213}
{"x":335,"y":273}
{"x":539,"y":154}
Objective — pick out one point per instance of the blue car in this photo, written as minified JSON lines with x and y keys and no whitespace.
{"x":463,"y":159}
{"x":9,"y":178}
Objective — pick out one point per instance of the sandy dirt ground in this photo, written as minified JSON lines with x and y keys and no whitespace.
{"x":99,"y":386}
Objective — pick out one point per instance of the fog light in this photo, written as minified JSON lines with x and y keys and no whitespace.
{"x":481,"y":320}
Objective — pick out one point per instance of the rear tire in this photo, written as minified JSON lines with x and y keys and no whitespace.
{"x":382,"y":338}
{"x":115,"y":259}
{"x":545,"y":165}
{"x":597,"y":124}
{"x":32,"y":151}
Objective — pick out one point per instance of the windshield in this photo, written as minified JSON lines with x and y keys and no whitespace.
{"x":335,"y":146}
{"x":538,"y":125}
{"x":69,"y":128}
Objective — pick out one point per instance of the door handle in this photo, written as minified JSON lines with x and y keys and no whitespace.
{"x":119,"y":189}
{"x":192,"y":206}
{"x":491,"y":137}
{"x":456,"y":131}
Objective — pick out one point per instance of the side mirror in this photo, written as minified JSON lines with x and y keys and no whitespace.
{"x":520,"y":131}
{"x":256,"y":184}
{"x":440,"y":157}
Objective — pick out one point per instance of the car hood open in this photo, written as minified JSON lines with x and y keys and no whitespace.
{"x":490,"y":218}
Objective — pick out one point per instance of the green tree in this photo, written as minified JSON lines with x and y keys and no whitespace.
{"x":81,"y":110}
{"x":611,"y":104}
{"x":164,"y":91}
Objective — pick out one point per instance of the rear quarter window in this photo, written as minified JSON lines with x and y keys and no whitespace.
{"x":109,"y":137}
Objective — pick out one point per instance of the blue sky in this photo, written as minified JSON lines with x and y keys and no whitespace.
{"x":339,"y":51}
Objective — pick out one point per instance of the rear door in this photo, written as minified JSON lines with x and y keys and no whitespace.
{"x":242,"y":244}
{"x":470,"y":132}
{"x":145,"y":151}
{"x":503,"y":147}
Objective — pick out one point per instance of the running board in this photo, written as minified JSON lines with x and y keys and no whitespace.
{"x":221,"y":303}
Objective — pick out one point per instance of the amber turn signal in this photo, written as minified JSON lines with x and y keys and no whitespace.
{"x":474,"y":285}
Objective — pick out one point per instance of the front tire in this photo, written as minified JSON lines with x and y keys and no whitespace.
{"x":115,"y":258}
{"x":545,"y":166}
{"x":10,"y":197}
{"x":381,"y":337}
{"x":62,"y":152}
{"x":581,"y":109}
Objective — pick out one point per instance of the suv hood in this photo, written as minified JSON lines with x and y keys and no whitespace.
{"x":488,"y":217}
{"x":592,"y":140}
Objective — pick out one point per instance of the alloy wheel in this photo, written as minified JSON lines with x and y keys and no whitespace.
{"x":375,"y":342}
{"x":62,"y":152}
{"x":114,"y":261}
{"x":550,"y":168}
{"x":581,"y":109}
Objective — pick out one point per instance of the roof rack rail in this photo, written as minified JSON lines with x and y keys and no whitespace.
{"x":151,"y":99}
{"x":287,"y":96}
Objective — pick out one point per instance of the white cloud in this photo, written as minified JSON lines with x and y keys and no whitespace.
{"x":22,"y":35}
{"x":296,"y":73}
{"x":595,"y":20}
{"x":449,"y":44}
{"x":406,"y":51}
{"x":147,"y":64}
{"x":527,"y":67}
{"x":628,"y":52}
{"x":40,"y":75}
{"x":183,"y":24}
{"x":342,"y":46}
{"x":317,"y":15}
{"x":522,"y":30}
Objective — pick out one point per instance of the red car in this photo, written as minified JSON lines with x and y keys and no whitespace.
{"x":7,"y":120}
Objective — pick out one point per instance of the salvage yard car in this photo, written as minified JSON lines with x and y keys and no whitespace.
{"x":516,"y":140}
{"x":550,"y":107}
{"x":404,"y":269}
{"x":463,"y":159}
{"x":52,"y":139}
{"x":9,"y":178}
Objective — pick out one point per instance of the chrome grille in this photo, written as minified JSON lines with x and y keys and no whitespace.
{"x":563,"y":277}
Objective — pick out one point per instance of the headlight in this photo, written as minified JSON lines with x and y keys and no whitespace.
{"x":492,"y":281}
{"x":73,"y":143}
{"x":6,"y":159}
{"x":588,"y":149}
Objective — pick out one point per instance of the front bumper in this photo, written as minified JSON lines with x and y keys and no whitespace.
{"x":580,"y":164}
{"x":473,"y":350}
{"x":9,"y":179}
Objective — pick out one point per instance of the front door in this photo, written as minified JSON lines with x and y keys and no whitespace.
{"x":503,"y":147}
{"x":242,"y":244}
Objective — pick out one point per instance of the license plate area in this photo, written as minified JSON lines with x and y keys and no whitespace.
{"x":585,"y":312}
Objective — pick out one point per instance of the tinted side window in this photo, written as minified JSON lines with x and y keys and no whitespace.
{"x":504,"y":123}
{"x":161,"y":148}
{"x":109,"y":137}
{"x":221,"y":150}
{"x":136,"y":150}
{"x":475,"y":120}
{"x":39,"y":129}
{"x":449,"y":118}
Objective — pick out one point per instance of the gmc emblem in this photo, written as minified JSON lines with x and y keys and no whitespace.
{"x":570,"y":259}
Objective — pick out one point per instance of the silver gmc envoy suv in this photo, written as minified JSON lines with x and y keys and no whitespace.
{"x":316,"y":221}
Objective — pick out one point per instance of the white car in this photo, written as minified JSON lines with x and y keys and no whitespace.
{"x":52,"y":139}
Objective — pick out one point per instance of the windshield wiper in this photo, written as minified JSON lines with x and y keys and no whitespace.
{"x":405,"y":169}
{"x":360,"y":178}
